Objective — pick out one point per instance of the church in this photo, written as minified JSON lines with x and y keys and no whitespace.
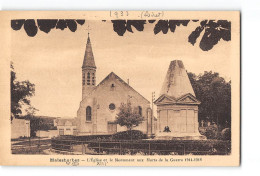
{"x":100,"y":103}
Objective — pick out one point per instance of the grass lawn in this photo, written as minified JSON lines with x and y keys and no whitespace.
{"x":34,"y":146}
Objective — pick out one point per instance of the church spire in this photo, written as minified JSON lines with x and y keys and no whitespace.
{"x":89,"y":57}
{"x":88,"y":70}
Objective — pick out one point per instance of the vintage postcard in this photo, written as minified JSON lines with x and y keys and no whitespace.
{"x":120,"y":88}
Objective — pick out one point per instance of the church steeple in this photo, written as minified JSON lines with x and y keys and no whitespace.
{"x":89,"y":57}
{"x":88,"y":70}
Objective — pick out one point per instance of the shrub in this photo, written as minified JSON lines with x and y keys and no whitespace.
{"x":202,"y":130}
{"x":226,"y":134}
{"x":126,"y":135}
{"x":160,"y":147}
{"x":211,"y":132}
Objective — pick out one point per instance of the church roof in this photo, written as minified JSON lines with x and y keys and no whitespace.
{"x":112,"y":74}
{"x":89,"y":57}
{"x":176,"y":82}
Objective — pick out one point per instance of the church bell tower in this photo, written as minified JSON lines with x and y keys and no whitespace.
{"x":88,"y":70}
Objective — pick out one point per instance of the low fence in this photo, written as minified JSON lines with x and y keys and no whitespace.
{"x":142,"y":147}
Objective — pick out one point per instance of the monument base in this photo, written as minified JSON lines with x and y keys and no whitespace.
{"x":179,"y":136}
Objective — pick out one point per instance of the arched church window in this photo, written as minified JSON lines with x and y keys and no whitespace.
{"x":88,"y":78}
{"x":140,"y":110}
{"x":112,"y":106}
{"x":83,"y":79}
{"x":88,"y":113}
{"x":93,"y":80}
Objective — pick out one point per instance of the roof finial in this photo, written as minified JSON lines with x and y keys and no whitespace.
{"x":88,"y":30}
{"x":89,"y":57}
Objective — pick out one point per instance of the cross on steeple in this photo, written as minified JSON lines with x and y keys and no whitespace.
{"x":88,"y":30}
{"x":89,"y":57}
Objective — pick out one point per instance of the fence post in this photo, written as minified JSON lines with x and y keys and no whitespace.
{"x":70,"y":150}
{"x":99,"y":147}
{"x":71,"y":147}
{"x":120,"y":149}
{"x":82,"y":148}
{"x":149,"y":152}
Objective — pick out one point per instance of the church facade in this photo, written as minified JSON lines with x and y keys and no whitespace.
{"x":100,"y":103}
{"x":177,"y":106}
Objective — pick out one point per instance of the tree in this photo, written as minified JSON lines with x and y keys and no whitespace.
{"x":215,"y":96}
{"x":128,"y":117}
{"x":31,"y":26}
{"x":212,"y":31}
{"x":37,"y":123}
{"x":34,"y":121}
{"x":20,"y":94}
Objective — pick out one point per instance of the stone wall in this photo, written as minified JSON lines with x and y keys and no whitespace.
{"x":47,"y":134}
{"x":20,"y":128}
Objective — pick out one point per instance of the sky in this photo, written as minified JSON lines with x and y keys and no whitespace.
{"x":53,"y":61}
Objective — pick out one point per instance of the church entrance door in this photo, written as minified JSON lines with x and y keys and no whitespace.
{"x":111,"y":127}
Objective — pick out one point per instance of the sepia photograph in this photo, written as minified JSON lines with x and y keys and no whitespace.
{"x":126,"y":83}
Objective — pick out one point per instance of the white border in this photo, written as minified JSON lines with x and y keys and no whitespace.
{"x":250,"y":13}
